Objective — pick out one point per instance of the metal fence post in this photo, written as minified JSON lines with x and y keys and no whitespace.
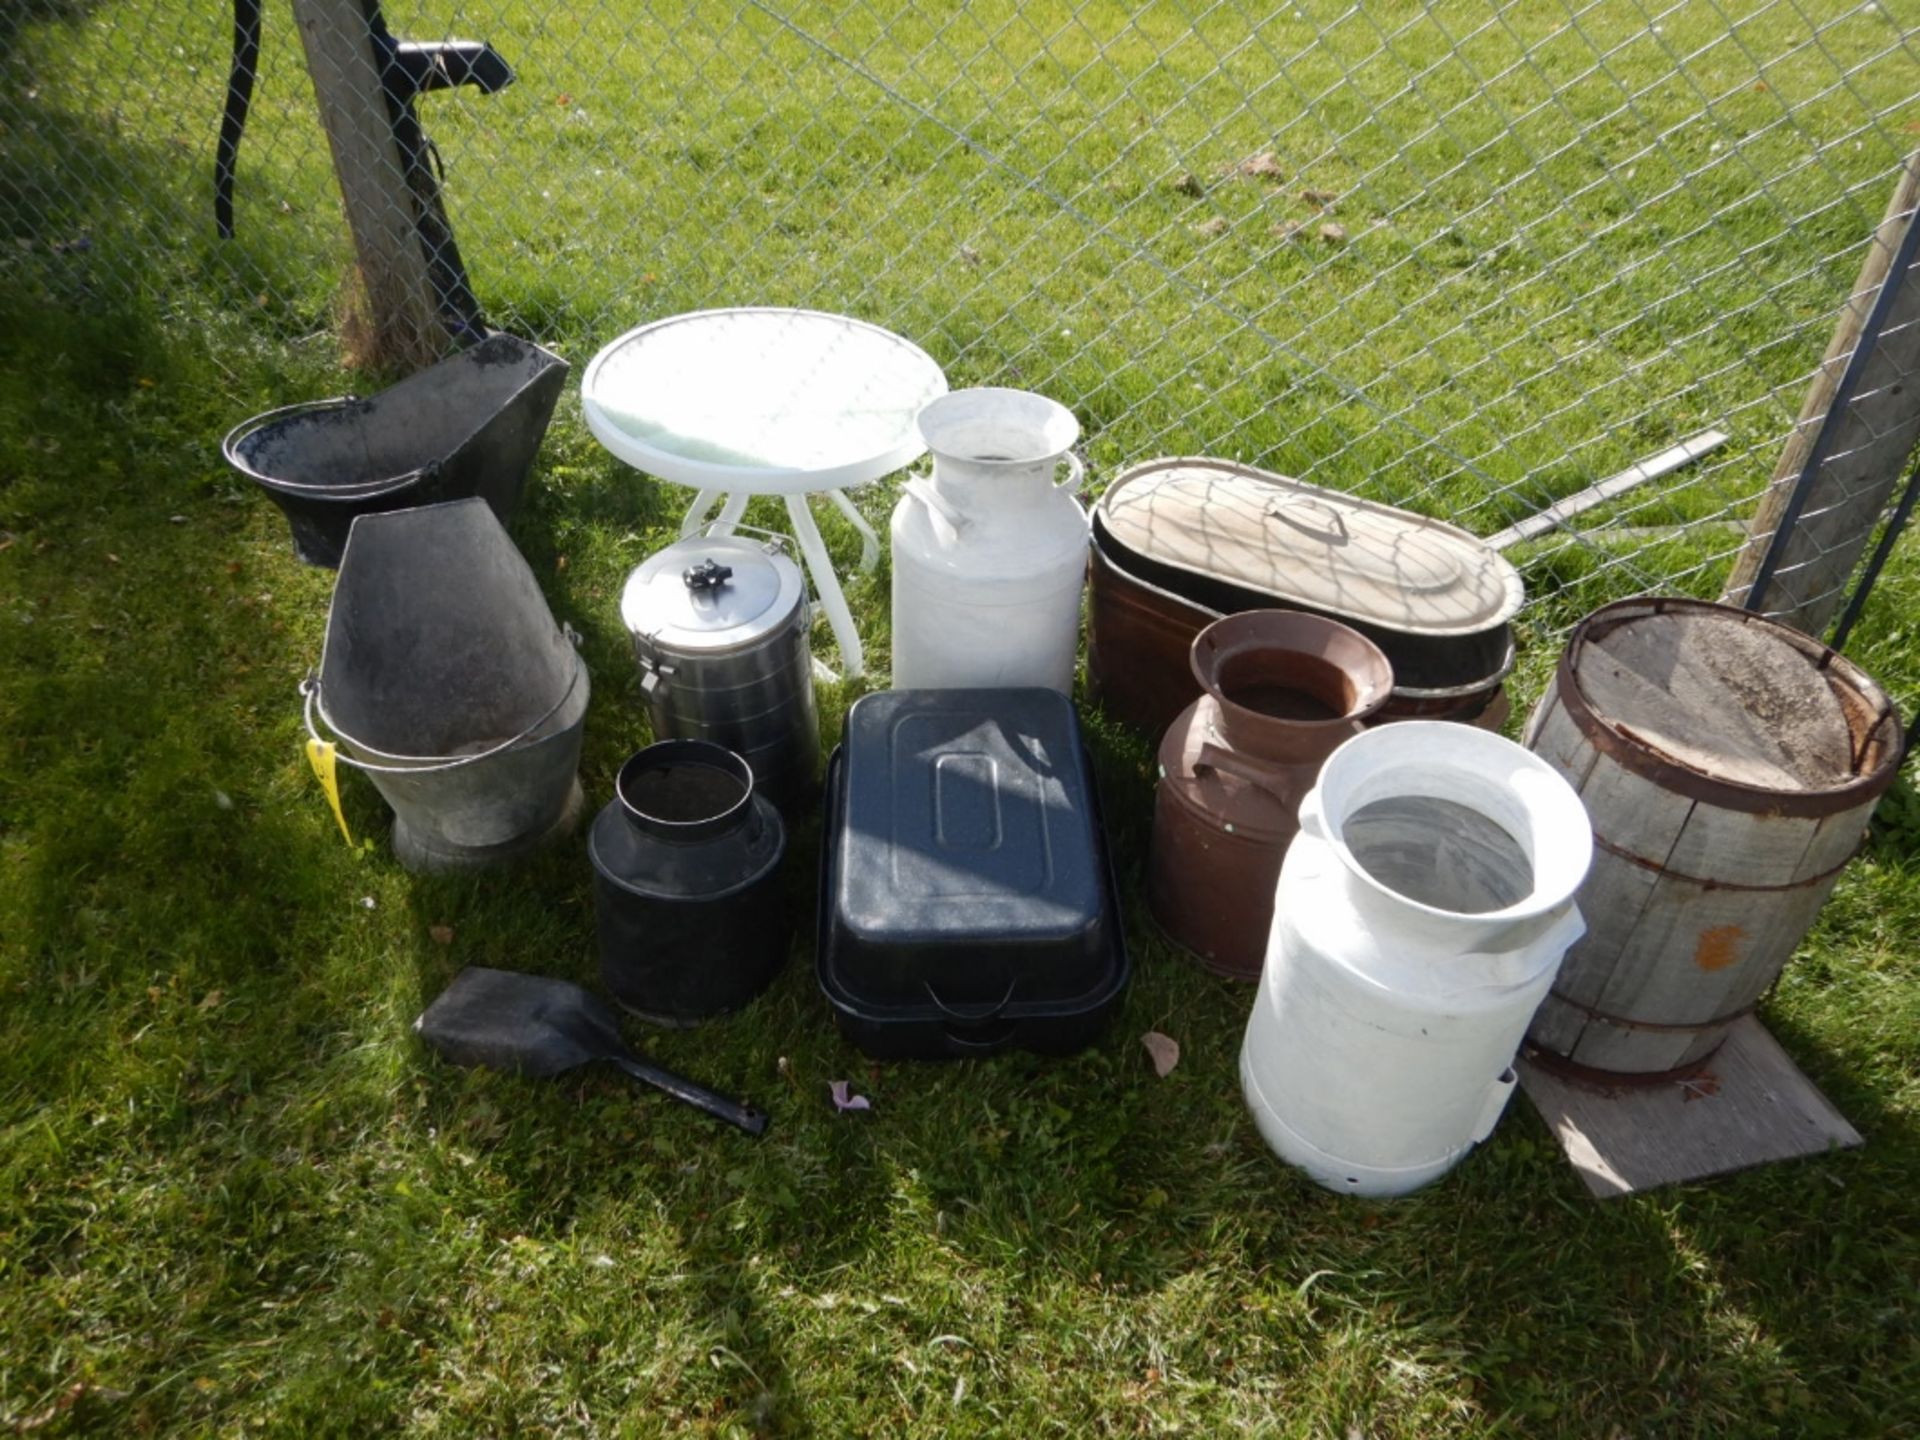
{"x":1849,"y":448}
{"x":404,"y":327}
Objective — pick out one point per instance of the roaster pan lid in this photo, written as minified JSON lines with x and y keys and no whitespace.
{"x":1313,"y":547}
{"x":964,"y":871}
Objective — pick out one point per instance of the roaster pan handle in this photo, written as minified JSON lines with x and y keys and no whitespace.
{"x":975,"y":1015}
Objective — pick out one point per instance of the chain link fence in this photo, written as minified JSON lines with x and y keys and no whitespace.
{"x":1470,"y":258}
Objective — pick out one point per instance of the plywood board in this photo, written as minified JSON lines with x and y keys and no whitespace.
{"x":1750,"y":1106}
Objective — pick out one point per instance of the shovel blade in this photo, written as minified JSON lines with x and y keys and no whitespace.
{"x":530,"y":1025}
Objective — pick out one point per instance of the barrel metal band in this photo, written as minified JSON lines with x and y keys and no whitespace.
{"x":1557,"y":1064}
{"x":1660,"y":868}
{"x":1623,"y":1023}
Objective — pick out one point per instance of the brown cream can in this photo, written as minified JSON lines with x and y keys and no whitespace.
{"x":1281,"y":691}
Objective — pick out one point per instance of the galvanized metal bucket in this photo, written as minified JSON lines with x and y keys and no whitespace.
{"x":446,"y":679}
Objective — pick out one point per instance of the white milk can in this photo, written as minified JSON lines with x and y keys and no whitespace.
{"x":1420,"y":917}
{"x":990,"y":552}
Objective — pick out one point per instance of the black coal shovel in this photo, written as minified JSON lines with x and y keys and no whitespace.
{"x":537,"y":1026}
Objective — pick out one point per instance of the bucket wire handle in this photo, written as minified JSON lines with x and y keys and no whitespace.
{"x":246,"y":428}
{"x":727,"y":527}
{"x":310,"y":694}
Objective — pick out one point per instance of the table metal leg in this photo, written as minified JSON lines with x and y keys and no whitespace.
{"x":731,"y":509}
{"x":833,"y":600}
{"x":696,"y":515}
{"x":869,"y":542}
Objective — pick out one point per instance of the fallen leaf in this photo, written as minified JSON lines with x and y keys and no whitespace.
{"x":561,"y":563}
{"x":1263,"y":166}
{"x":212,"y":1000}
{"x":6,"y":539}
{"x":969,"y":255}
{"x":1321,"y":199}
{"x":843,"y":1099}
{"x":112,"y":559}
{"x":563,"y":98}
{"x":1187,"y":183}
{"x":1165,"y":1051}
{"x":1290,"y":229}
{"x":1211,"y":228}
{"x":442,"y":934}
{"x":1333,"y":233}
{"x":66,"y":1400}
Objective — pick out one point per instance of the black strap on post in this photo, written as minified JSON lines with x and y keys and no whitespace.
{"x":233,"y":121}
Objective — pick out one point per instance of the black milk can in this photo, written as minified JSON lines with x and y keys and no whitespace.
{"x":687,"y":888}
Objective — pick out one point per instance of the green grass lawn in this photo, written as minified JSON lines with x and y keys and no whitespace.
{"x":235,"y":1195}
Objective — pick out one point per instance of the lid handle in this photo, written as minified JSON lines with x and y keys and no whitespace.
{"x":709,"y":574}
{"x":1331,"y":528}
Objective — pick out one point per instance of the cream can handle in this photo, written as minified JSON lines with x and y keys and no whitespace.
{"x":1076,"y":473}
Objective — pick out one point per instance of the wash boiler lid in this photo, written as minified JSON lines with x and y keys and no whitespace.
{"x":1312,"y":547}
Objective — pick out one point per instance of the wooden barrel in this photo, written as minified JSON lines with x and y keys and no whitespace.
{"x":1729,"y":765}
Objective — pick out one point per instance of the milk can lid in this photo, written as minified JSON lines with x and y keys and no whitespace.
{"x":711,"y":593}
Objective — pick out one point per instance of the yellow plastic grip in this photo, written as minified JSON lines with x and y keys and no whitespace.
{"x":320,"y":755}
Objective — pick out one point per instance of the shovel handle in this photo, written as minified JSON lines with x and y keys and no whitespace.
{"x":735,"y":1112}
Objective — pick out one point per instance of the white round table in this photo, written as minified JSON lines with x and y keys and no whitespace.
{"x":762,"y":401}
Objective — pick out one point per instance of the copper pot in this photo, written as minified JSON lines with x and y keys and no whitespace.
{"x":1282,"y":691}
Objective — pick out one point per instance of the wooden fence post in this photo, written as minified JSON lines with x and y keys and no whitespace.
{"x":1866,"y":453}
{"x":405,"y":331}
